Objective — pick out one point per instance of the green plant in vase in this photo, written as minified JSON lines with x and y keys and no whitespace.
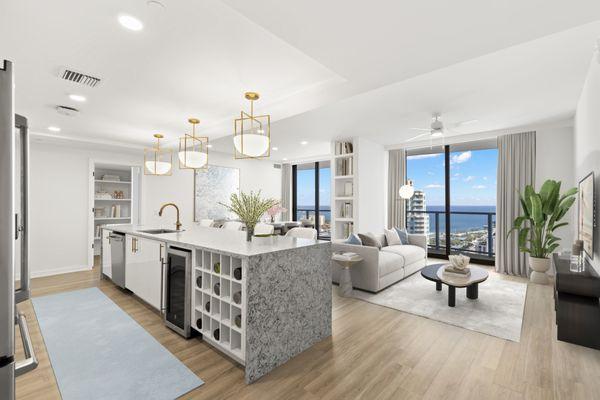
{"x":249,"y":207}
{"x":542,"y":215}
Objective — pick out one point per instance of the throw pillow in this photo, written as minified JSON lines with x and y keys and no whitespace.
{"x":392,"y":237}
{"x":353,"y":239}
{"x":403,"y":235}
{"x":368,"y":239}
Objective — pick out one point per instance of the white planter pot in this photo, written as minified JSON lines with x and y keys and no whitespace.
{"x":539,"y":266}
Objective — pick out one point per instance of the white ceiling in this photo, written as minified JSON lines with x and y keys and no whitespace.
{"x":324,"y":69}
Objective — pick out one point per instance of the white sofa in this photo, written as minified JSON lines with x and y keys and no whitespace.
{"x":382,"y":268}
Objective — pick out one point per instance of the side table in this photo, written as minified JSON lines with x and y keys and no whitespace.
{"x":346,"y":260}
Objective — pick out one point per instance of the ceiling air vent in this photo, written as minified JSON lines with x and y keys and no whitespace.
{"x":66,"y":110}
{"x":78,"y":77}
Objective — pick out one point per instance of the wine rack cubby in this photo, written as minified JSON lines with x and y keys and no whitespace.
{"x":219,"y":302}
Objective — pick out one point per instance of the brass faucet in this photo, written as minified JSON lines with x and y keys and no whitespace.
{"x":178,"y":223}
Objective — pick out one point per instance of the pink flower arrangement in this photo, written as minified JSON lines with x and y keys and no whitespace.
{"x":275,"y":210}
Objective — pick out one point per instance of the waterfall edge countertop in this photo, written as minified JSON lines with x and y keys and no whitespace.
{"x":222,"y":240}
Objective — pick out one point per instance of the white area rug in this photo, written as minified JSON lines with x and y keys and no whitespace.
{"x":498,"y":311}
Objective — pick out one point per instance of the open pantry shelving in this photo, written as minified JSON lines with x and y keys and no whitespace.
{"x":219,"y":302}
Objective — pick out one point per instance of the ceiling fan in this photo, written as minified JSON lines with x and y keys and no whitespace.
{"x":435,"y":131}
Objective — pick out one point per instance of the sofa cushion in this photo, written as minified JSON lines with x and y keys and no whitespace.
{"x":408,"y":252}
{"x":389,"y":262}
{"x":368,"y":239}
{"x":392,"y":237}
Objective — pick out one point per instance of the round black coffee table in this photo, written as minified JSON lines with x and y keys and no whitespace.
{"x":471,"y":283}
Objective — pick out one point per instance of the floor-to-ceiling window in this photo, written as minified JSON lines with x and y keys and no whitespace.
{"x":312,"y":196}
{"x":455,"y":198}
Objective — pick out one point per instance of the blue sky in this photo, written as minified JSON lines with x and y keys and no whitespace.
{"x":306,"y":187}
{"x":472,"y":182}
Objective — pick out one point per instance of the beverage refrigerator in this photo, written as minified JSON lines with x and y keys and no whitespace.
{"x":14,"y":173}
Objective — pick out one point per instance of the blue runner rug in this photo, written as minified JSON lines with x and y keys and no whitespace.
{"x":97,"y":351}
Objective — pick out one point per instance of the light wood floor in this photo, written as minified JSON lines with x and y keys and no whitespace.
{"x":374,"y":353}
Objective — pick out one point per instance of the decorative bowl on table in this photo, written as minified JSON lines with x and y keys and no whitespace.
{"x":459,"y":261}
{"x":263,"y":239}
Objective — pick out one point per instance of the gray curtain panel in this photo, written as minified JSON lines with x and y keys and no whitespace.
{"x":396,"y":178}
{"x":286,"y":190}
{"x":516,"y":169}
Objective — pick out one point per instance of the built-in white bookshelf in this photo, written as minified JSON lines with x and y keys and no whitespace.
{"x":344,"y":201}
{"x":219,"y":302}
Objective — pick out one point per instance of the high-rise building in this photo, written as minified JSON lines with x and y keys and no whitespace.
{"x":417,"y":222}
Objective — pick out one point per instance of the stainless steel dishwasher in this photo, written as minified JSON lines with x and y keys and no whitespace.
{"x":117,"y":258}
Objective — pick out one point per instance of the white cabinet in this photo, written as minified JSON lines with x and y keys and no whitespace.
{"x":143,"y":268}
{"x":106,"y":257}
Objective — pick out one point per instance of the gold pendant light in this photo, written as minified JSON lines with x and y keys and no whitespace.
{"x":193,"y":150}
{"x":252,"y":133}
{"x":158,"y":161}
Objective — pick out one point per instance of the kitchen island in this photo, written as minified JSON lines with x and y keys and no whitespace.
{"x":261,"y":304}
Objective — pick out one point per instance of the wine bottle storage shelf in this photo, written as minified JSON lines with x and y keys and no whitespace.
{"x":218,"y":301}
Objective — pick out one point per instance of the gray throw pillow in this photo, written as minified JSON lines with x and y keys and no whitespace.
{"x":353,"y":239}
{"x":403,"y":235}
{"x":368,"y":239}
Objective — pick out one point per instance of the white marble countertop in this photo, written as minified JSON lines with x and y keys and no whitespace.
{"x":217,"y":239}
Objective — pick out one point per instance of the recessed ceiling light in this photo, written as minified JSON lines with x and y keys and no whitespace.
{"x":54,"y":128}
{"x":131,"y":23}
{"x":209,"y":146}
{"x":275,"y":148}
{"x":284,"y":159}
{"x":304,"y":142}
{"x":77,"y":97}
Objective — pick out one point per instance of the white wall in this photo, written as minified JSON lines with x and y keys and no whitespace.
{"x":59,"y":206}
{"x":587,"y":140}
{"x":554,"y":160}
{"x":179,"y":188}
{"x":59,"y":203}
{"x":372,"y":186}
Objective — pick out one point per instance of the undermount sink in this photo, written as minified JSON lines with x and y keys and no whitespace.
{"x":159,"y":231}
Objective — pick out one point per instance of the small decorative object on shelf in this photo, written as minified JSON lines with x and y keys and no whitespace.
{"x":99,"y":211}
{"x":216,"y":334}
{"x":237,"y":273}
{"x":576,"y":264}
{"x":217,"y":267}
{"x":199,"y":323}
{"x":238,"y":321}
{"x":237,"y":297}
{"x":199,"y":282}
{"x":107,"y":177}
{"x":217,"y":289}
{"x":207,"y":306}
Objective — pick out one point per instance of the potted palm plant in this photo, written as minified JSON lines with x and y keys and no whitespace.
{"x":542,"y":215}
{"x":249,"y":207}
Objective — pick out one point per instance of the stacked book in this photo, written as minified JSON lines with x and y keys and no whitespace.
{"x":343,"y":148}
{"x":456,"y":271}
{"x":345,"y":166}
{"x":115,"y":211}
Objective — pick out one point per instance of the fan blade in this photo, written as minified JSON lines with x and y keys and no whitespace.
{"x":421,"y":129}
{"x":418,"y":136}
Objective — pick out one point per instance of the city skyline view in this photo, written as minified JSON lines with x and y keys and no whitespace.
{"x":472,"y":177}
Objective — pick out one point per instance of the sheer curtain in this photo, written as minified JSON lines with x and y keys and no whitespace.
{"x":396,"y":178}
{"x":516,"y":169}
{"x":286,"y":190}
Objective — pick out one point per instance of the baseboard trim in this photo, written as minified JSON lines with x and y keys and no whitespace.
{"x":56,"y":271}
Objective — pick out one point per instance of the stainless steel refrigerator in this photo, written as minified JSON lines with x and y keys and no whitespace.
{"x":14,"y":172}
